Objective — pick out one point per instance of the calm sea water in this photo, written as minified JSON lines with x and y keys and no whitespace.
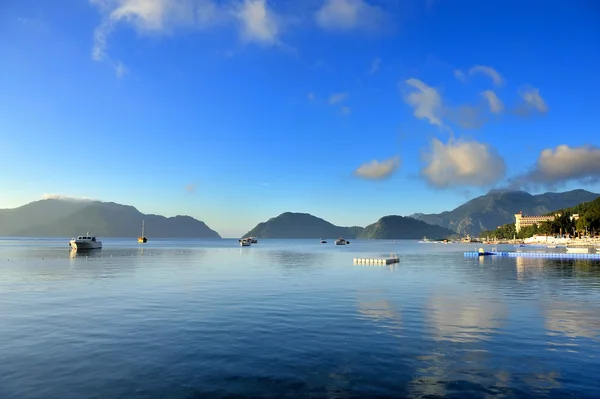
{"x":293,"y":318}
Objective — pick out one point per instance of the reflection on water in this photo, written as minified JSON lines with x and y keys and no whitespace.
{"x":85,"y":253}
{"x":459,"y":318}
{"x":572,"y":320}
{"x":291,"y":318}
{"x":377,"y":308}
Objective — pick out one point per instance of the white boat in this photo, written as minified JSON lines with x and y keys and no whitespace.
{"x":341,"y":241}
{"x":85,"y":242}
{"x":245,"y":242}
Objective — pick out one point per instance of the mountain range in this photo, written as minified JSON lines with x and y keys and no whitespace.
{"x":66,"y":218}
{"x":498,"y":207}
{"x":304,"y":225}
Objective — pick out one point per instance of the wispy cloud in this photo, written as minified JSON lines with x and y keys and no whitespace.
{"x":256,"y":21}
{"x":555,"y":167}
{"x":378,"y":170}
{"x":496,"y":105}
{"x":336,"y":98}
{"x":460,"y":75}
{"x":462,"y":163}
{"x":426,"y":101}
{"x":120,"y":69}
{"x":497,"y":79}
{"x":468,"y":116}
{"x":375,"y":66}
{"x":532,"y":102}
{"x":346,"y":15}
{"x":427,"y":104}
{"x":490,"y":72}
{"x":33,"y":24}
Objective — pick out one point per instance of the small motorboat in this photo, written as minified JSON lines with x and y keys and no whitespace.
{"x":323,"y":241}
{"x":253,"y":240}
{"x":341,"y":241}
{"x":85,"y":242}
{"x":245,"y":242}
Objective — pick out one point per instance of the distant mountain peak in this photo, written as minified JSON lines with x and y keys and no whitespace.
{"x":498,"y":207}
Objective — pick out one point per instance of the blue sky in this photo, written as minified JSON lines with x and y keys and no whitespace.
{"x":236,"y":111}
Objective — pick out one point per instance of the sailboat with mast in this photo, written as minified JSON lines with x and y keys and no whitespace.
{"x":142,"y":238}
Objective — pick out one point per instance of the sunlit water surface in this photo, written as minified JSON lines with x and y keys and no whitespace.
{"x":293,"y":318}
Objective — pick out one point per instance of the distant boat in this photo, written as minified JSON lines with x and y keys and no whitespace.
{"x":341,"y":241}
{"x":253,"y":240}
{"x":85,"y":242}
{"x":323,"y":241}
{"x":142,"y":238}
{"x":245,"y":242}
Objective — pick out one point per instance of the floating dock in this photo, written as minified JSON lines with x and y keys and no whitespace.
{"x":393,"y":258}
{"x":544,"y":255}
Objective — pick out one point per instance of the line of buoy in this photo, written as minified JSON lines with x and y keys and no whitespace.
{"x":542,"y":255}
{"x":376,"y":261}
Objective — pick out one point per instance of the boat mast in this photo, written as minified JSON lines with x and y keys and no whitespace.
{"x":142,"y":228}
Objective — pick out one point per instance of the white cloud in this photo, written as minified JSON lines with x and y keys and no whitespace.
{"x":494,"y":102}
{"x":258,"y":23}
{"x":564,"y":163}
{"x":376,"y":170}
{"x":345,"y":110}
{"x":345,"y":15}
{"x":375,"y":66}
{"x":337,"y":98}
{"x":462,"y":163}
{"x":426,"y":102}
{"x":489,"y":71}
{"x":65,"y":197}
{"x":532,"y":101}
{"x":311,"y":96}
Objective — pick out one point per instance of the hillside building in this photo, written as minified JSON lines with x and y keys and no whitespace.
{"x":524,"y":221}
